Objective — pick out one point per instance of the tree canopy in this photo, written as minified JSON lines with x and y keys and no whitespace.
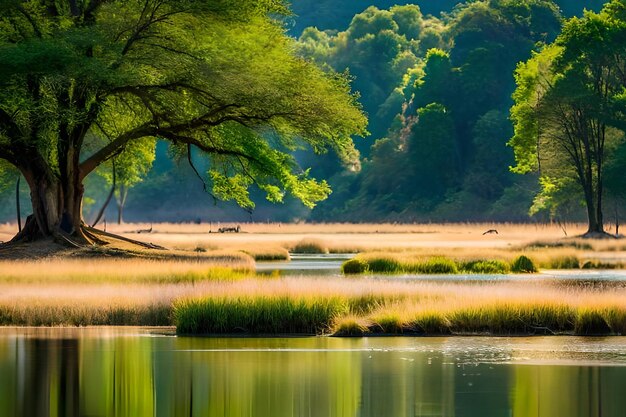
{"x":569,"y":108}
{"x":81,"y":81}
{"x":443,"y":152}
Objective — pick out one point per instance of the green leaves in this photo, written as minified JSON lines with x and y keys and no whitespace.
{"x":106,"y":78}
{"x":567,"y":106}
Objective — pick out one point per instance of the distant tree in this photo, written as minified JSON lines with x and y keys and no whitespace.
{"x":569,"y":107}
{"x":82,"y":81}
{"x":127,"y":170}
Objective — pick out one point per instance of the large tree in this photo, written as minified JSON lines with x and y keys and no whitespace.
{"x":81,"y":80}
{"x":568,"y":111}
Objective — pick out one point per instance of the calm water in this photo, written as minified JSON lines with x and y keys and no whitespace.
{"x":134,"y":372}
{"x":330,"y":266}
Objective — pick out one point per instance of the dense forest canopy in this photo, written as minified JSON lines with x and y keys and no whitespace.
{"x":435,"y":79}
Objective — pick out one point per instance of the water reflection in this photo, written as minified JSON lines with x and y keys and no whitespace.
{"x":93,"y":374}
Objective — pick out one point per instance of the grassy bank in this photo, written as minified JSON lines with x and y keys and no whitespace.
{"x":221,"y":266}
{"x":358,"y":306}
{"x":365,"y":307}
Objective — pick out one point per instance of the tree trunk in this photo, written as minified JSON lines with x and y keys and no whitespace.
{"x":121,"y":203}
{"x":57,"y":209}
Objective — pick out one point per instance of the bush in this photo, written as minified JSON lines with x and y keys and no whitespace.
{"x":354,"y":266}
{"x":523,"y":264}
{"x":493,"y":266}
{"x":438,"y":265}
{"x":384,"y":265}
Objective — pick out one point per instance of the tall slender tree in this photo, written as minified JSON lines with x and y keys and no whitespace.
{"x":568,"y":111}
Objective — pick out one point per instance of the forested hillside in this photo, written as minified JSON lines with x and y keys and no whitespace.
{"x":438,"y":93}
{"x":328,"y":14}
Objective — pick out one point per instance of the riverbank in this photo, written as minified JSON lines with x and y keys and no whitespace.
{"x":214,"y":289}
{"x":325,"y":306}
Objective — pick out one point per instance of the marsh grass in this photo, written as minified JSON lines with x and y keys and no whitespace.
{"x":225,"y":266}
{"x":87,"y":315}
{"x":430,"y":264}
{"x":354,"y":266}
{"x":267,"y":253}
{"x":351,"y":326}
{"x":310,"y":246}
{"x":258,"y":315}
{"x":362,"y":307}
{"x":491,"y":266}
{"x":321,"y":306}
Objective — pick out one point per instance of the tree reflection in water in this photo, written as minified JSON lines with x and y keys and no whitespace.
{"x":123,"y":375}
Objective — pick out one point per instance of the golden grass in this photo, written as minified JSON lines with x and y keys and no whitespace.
{"x":439,"y":308}
{"x":222,"y":266}
{"x":143,"y":292}
{"x":343,"y":237}
{"x":301,"y":305}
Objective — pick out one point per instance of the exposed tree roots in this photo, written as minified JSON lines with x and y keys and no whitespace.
{"x":599,"y":235}
{"x":85,"y":240}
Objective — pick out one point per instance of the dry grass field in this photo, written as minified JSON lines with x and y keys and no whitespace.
{"x":218,"y":292}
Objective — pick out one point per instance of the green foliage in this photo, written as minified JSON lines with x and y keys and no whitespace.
{"x":272,"y":315}
{"x":564,"y":262}
{"x":444,"y":155}
{"x":354,"y":266}
{"x":437,"y":265}
{"x":523,"y":264}
{"x":566,"y":113}
{"x":89,"y":83}
{"x":378,"y":48}
{"x":385,"y":265}
{"x":491,"y":266}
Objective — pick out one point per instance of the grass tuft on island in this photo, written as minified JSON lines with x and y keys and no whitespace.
{"x":409,"y":263}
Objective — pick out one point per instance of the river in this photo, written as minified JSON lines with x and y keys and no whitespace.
{"x":138,"y":372}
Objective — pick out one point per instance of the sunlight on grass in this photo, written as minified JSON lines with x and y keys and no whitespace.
{"x":224,"y":266}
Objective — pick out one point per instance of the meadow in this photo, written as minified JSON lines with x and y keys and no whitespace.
{"x":214,"y":289}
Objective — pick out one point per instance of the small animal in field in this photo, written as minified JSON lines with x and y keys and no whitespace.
{"x":145,"y":230}
{"x":229,"y":229}
{"x":491,"y":232}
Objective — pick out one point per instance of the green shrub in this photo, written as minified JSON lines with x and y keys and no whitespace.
{"x":523,"y":264}
{"x":437,"y":265}
{"x":384,"y":265}
{"x":354,"y":266}
{"x":493,"y":266}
